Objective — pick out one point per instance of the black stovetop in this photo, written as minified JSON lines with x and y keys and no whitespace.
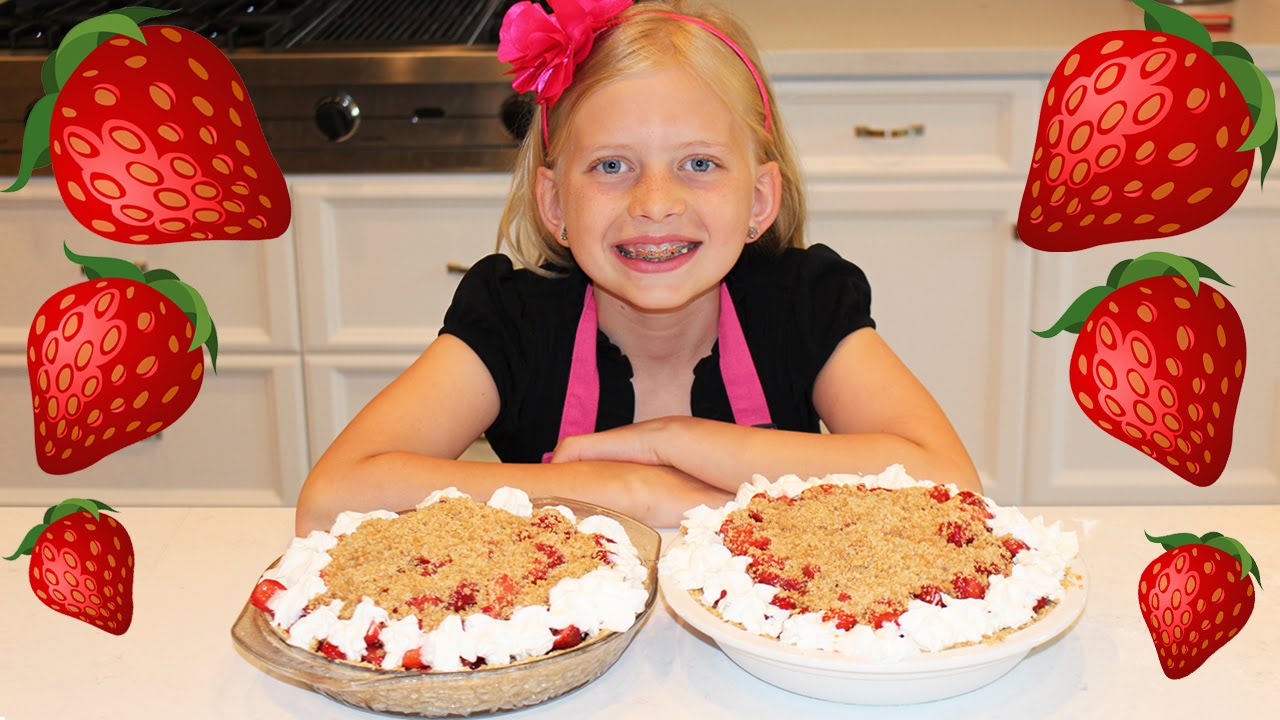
{"x":275,"y":25}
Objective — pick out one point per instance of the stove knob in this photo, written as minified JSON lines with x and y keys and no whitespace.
{"x":338,"y":117}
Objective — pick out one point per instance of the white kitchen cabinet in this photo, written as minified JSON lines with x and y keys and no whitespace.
{"x":379,"y":260}
{"x":380,"y":257}
{"x":242,"y":442}
{"x":339,"y":385}
{"x":249,"y":286}
{"x":948,"y":293}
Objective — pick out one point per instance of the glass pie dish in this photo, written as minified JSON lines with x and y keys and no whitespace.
{"x":464,"y":692}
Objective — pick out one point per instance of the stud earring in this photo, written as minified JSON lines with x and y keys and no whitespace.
{"x":564,"y":233}
{"x":752,"y":232}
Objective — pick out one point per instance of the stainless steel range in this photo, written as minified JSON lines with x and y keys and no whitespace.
{"x":340,"y":86}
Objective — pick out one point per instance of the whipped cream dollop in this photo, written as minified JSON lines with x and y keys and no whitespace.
{"x":700,"y":561}
{"x":606,"y":599}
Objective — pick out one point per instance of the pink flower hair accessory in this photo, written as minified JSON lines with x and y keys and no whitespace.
{"x":543,"y":49}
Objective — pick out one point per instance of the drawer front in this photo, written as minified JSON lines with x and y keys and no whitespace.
{"x":911,"y":128}
{"x":249,"y":286}
{"x":339,"y":386}
{"x":241,"y":443}
{"x":380,"y":259}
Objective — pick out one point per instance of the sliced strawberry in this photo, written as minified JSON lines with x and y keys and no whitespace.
{"x":785,"y":602}
{"x":463,"y":596}
{"x":1012,"y":545}
{"x":931,"y":594}
{"x":956,"y":533}
{"x":969,"y":587}
{"x":843,"y":620}
{"x":413,"y":660}
{"x":331,"y":651}
{"x":939,"y":493}
{"x":263,"y":592}
{"x":566,"y":637}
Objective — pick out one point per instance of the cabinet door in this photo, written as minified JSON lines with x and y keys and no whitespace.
{"x":949,"y":289}
{"x":379,"y":259}
{"x":1073,"y":461}
{"x":241,"y":443}
{"x":338,"y":386}
{"x":249,"y":286}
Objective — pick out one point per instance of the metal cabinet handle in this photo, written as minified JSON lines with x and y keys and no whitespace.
{"x":866,"y":131}
{"x":457,"y":268}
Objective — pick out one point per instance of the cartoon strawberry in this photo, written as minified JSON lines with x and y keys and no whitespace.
{"x":1145,"y":134}
{"x":152,"y":136}
{"x":82,"y":564}
{"x":113,"y":360}
{"x":1195,"y":598}
{"x":1159,"y":362}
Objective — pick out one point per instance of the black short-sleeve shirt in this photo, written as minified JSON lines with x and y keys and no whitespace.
{"x":794,"y":309}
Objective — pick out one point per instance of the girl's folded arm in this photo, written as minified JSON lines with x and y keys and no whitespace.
{"x":877,"y":413}
{"x":402,"y":446}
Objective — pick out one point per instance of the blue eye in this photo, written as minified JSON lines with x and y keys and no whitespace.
{"x":702,"y":165}
{"x":612,"y":166}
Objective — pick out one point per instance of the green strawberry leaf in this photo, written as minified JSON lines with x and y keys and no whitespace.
{"x":1205,"y":538}
{"x":1268,"y":150}
{"x":35,"y":141}
{"x":85,"y":37}
{"x":189,"y":301}
{"x":48,"y":78}
{"x":100,"y":267}
{"x":72,"y":506}
{"x":28,"y":542}
{"x":1113,"y":278}
{"x":1073,"y":319}
{"x":1235,"y":549}
{"x":1227,"y":48}
{"x":1258,"y":94}
{"x":159,"y":274}
{"x":1155,"y":264}
{"x":1162,"y":18}
{"x":1208,"y":272}
{"x":54,"y":514}
{"x":1169,"y":542}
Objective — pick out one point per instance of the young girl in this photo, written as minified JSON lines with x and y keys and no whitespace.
{"x":669,"y":335}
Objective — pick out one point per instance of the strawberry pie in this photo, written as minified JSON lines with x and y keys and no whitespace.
{"x":454,"y":584}
{"x":880,"y":566}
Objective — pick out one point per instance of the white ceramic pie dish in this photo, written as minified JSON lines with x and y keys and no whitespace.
{"x":838,"y":677}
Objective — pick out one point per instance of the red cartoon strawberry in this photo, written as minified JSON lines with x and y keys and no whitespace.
{"x":82,"y":564}
{"x":152,"y":136}
{"x":1145,"y":134}
{"x":1195,"y":598}
{"x":1159,"y":362}
{"x":113,"y":360}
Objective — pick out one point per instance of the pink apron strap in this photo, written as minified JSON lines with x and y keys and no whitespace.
{"x":741,"y":382}
{"x":582,"y":400}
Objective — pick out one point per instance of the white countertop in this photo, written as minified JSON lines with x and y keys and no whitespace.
{"x":196,"y":567}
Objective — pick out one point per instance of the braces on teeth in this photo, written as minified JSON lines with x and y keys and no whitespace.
{"x":656,"y":254}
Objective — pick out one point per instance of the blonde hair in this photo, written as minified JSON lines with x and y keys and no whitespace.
{"x":645,"y":41}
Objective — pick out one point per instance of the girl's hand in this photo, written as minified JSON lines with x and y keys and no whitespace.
{"x":640,"y":443}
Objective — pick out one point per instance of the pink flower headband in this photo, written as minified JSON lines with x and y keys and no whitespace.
{"x":544,"y":49}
